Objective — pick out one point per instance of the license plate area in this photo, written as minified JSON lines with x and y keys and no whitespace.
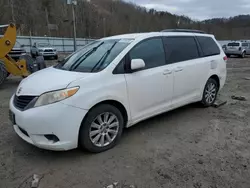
{"x":12,"y":117}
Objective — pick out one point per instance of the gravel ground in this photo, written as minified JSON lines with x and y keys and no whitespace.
{"x":188,"y":147}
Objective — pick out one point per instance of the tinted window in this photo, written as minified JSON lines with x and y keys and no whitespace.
{"x":151,"y":51}
{"x":233,"y":44}
{"x":245,"y":44}
{"x":208,"y":46}
{"x":180,"y":49}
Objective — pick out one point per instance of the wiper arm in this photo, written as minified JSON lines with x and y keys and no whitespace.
{"x":86,"y":55}
{"x":104,"y":57}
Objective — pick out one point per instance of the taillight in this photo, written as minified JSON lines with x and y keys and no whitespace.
{"x":239,"y":48}
{"x":225,"y":58}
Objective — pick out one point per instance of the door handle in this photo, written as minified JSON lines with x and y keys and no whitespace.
{"x":165,"y":72}
{"x":178,"y":69}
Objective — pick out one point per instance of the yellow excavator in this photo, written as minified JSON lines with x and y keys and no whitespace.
{"x":24,"y":66}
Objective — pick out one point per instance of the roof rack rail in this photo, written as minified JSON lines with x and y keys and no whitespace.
{"x":183,"y":30}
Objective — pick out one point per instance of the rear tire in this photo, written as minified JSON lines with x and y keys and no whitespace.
{"x":56,"y":57}
{"x":243,"y":55}
{"x":101,"y":129}
{"x":3,"y":73}
{"x":210,"y":92}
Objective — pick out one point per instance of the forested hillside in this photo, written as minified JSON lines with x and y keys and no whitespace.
{"x":99,"y":18}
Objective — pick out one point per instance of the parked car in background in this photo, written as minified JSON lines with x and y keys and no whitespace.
{"x":43,"y":49}
{"x":89,"y":98}
{"x":224,"y":47}
{"x":17,"y":51}
{"x":238,"y":48}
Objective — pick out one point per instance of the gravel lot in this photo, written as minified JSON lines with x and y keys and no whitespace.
{"x":188,"y":147}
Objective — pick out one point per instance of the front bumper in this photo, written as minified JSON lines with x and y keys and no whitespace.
{"x":57,"y":119}
{"x":48,"y":54}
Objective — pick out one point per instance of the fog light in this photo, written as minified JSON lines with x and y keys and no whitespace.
{"x":52,"y":137}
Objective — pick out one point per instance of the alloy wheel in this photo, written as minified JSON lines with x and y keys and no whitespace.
{"x":210,"y":93}
{"x":104,"y":129}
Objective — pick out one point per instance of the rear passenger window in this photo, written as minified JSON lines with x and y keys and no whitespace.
{"x":151,"y":51}
{"x":245,"y":44}
{"x":180,"y":49}
{"x":208,"y":46}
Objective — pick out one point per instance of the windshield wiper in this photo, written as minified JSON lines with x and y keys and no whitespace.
{"x":104,"y":57}
{"x":86,"y":55}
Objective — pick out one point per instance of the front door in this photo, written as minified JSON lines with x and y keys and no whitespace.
{"x":149,"y":90}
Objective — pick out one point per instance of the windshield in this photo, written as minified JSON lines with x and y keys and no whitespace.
{"x":95,"y":56}
{"x":43,"y":45}
{"x":234,"y":44}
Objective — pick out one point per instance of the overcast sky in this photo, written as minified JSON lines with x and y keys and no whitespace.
{"x":199,"y":9}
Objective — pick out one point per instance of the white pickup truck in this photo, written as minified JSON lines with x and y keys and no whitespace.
{"x":43,"y":49}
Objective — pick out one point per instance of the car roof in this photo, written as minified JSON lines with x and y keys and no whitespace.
{"x":151,"y":34}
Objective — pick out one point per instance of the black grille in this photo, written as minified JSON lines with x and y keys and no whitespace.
{"x":48,"y":50}
{"x":22,"y":101}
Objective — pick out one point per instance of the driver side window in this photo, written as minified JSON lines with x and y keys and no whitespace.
{"x":151,"y":51}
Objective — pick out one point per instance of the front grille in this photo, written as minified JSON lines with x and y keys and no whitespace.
{"x":48,"y":50}
{"x":21,"y":102}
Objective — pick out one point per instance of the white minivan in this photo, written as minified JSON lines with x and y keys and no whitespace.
{"x":113,"y":83}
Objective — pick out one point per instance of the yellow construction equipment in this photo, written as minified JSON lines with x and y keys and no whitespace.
{"x":8,"y":65}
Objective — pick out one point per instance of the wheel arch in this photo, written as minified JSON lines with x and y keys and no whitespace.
{"x":114,"y":103}
{"x":216,"y":78}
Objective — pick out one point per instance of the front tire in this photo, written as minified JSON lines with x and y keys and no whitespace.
{"x":243,"y":55}
{"x":3,"y":73}
{"x":210,"y":92}
{"x":101,"y":129}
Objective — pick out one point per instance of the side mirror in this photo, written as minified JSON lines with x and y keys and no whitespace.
{"x":22,"y":46}
{"x":137,"y":64}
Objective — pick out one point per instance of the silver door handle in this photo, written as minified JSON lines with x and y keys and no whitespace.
{"x":178,"y":69}
{"x":167,"y":72}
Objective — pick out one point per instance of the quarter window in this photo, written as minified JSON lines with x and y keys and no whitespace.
{"x":151,"y":51}
{"x":245,"y":44}
{"x":180,"y":49}
{"x":208,"y":46}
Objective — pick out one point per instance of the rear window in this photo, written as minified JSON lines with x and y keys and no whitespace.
{"x":245,"y":44}
{"x":233,"y":44}
{"x":208,"y":46}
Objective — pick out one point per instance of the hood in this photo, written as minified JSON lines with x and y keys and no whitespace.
{"x":48,"y":79}
{"x":46,"y":48}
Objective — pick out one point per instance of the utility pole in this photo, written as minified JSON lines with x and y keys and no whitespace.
{"x":73,"y":3}
{"x":47,"y":20}
{"x":12,"y":11}
{"x":74,"y":25}
{"x":104,"y":27}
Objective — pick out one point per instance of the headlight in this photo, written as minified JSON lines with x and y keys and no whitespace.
{"x":55,"y":96}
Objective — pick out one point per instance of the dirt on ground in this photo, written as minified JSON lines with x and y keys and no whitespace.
{"x":188,"y":147}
